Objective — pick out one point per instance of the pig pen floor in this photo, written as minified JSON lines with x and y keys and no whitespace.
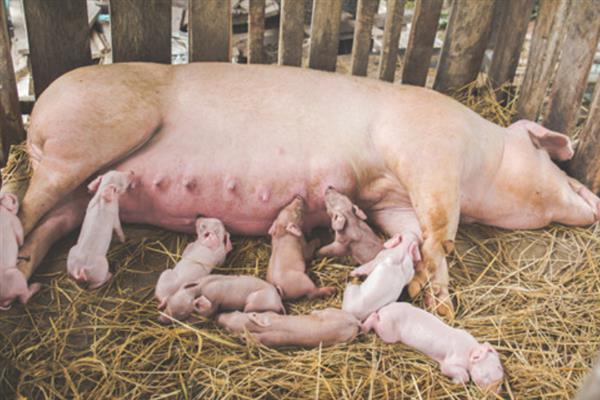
{"x":533,"y":294}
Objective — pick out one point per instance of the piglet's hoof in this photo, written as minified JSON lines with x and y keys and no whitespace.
{"x":437,"y":300}
{"x":417,"y":284}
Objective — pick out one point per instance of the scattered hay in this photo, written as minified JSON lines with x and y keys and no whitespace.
{"x":532,"y":294}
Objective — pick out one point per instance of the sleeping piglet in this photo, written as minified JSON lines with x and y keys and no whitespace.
{"x":87,"y":259}
{"x":329,"y":326}
{"x":287,"y":265}
{"x":388,"y":273}
{"x":456,"y":350}
{"x":12,"y":281}
{"x":215,"y":292}
{"x":198,"y":258}
{"x":353,"y":236}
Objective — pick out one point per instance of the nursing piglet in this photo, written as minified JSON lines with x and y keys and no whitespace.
{"x":287,"y":265}
{"x":87,"y":260}
{"x":212,"y":293}
{"x":353,"y":236}
{"x":198,"y":258}
{"x":327,"y":327}
{"x":11,"y":237}
{"x":456,"y":350}
{"x":388,"y":273}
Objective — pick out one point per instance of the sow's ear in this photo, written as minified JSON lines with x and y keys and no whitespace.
{"x":558,"y":146}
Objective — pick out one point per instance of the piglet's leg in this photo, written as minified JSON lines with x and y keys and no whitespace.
{"x":119,"y":229}
{"x":335,"y":249}
{"x":456,"y":372}
{"x":364,"y":269}
{"x":31,"y":290}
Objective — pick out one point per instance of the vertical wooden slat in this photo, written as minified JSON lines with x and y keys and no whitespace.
{"x":548,"y":35}
{"x":325,"y":34}
{"x":466,"y":38}
{"x":361,"y":45}
{"x":59,"y":40}
{"x":209,"y":30}
{"x":256,"y":31}
{"x":512,"y":28}
{"x":391,"y":37}
{"x":11,"y":125}
{"x":586,"y":163}
{"x":291,"y":33}
{"x":420,"y":41}
{"x":141,"y":30}
{"x":575,"y":63}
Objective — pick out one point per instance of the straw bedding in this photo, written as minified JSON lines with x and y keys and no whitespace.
{"x":533,"y":294}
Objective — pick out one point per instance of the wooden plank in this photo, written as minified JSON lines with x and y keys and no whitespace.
{"x":256,"y":31}
{"x":466,"y":38}
{"x":575,"y":63}
{"x":513,"y":27}
{"x":391,"y":37}
{"x":325,"y":34}
{"x":585,"y":166}
{"x":361,"y":45}
{"x":141,"y":30}
{"x":11,"y":124}
{"x":547,"y":38}
{"x":420,"y":41}
{"x":58,"y":34}
{"x":209,"y":30}
{"x":291,"y":33}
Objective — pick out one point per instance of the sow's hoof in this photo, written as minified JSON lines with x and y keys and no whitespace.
{"x":437,"y":300}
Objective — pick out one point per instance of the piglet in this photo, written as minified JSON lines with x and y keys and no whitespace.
{"x":287,"y":265}
{"x":388,"y":273}
{"x":353,"y":236}
{"x":212,"y":293}
{"x":327,"y":327}
{"x":456,"y":350}
{"x":87,"y":259}
{"x":12,"y":281}
{"x":198,"y":259}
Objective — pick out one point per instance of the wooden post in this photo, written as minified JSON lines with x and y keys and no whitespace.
{"x":291,"y":33}
{"x":325,"y":34}
{"x":361,"y":45}
{"x":58,"y":33}
{"x":466,"y":38}
{"x":141,"y":30}
{"x":11,"y":124}
{"x":575,"y":62}
{"x":547,"y":38}
{"x":391,"y":37}
{"x":585,"y":166}
{"x":209,"y":30}
{"x":420,"y":41}
{"x":256,"y":31}
{"x":512,"y":30}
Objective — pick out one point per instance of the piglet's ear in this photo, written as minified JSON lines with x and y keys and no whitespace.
{"x":109,"y":192}
{"x":338,"y":221}
{"x":478,"y":353}
{"x":393,"y":241}
{"x":293,"y":229}
{"x":202,"y":304}
{"x":271,"y":231}
{"x":558,"y":146}
{"x":93,"y":186}
{"x":260,"y":319}
{"x":489,"y":347}
{"x":228,"y":245}
{"x":413,"y":250}
{"x":359,"y":213}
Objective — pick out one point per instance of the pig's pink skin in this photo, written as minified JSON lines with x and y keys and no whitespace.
{"x":198,"y":258}
{"x":212,"y":293}
{"x":388,"y":273}
{"x":353,"y":236}
{"x":14,"y":287}
{"x":11,"y":232}
{"x":87,"y":260}
{"x":327,"y":327}
{"x":457,"y":351}
{"x":287,"y":264}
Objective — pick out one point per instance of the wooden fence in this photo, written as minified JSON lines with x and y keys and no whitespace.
{"x":566,"y":32}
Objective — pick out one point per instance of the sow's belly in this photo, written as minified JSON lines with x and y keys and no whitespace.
{"x":171,"y":189}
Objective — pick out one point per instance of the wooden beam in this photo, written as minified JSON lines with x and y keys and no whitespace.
{"x":11,"y":124}
{"x":291,"y":33}
{"x":512,"y":28}
{"x":325,"y":34}
{"x":209,"y":30}
{"x":575,"y":62}
{"x":420,"y":41}
{"x":361,"y":45}
{"x":256,"y":31}
{"x":141,"y":30}
{"x":391,"y":37}
{"x":58,"y":34}
{"x":547,"y":38}
{"x":464,"y":46}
